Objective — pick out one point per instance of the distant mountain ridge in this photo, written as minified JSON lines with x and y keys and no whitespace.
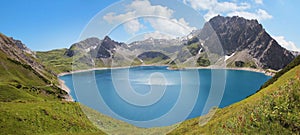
{"x":238,"y":41}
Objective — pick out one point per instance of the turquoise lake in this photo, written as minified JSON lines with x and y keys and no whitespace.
{"x":153,"y":96}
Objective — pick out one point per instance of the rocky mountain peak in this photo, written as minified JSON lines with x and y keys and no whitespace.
{"x":83,"y":46}
{"x":21,"y":46}
{"x":108,"y":43}
{"x":107,"y":38}
{"x":237,"y":34}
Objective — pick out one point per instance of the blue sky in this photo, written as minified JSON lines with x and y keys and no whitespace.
{"x":47,"y":24}
{"x":50,"y":24}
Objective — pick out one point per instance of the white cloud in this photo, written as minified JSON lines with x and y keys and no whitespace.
{"x":286,"y":44}
{"x":214,"y":7}
{"x":113,"y":18}
{"x":259,"y":1}
{"x":133,"y":26}
{"x":230,"y":6}
{"x":171,"y":26}
{"x":144,"y":8}
{"x":158,"y":35}
{"x":259,"y":14}
{"x":159,"y":17}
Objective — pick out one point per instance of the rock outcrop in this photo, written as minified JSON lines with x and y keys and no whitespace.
{"x":237,"y":34}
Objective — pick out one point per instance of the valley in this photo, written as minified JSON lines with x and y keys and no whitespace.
{"x":33,"y":101}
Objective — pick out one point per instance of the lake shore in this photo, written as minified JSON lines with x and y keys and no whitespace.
{"x":92,"y":69}
{"x":103,"y":68}
{"x":266,"y":72}
{"x":63,"y":86}
{"x":69,"y":97}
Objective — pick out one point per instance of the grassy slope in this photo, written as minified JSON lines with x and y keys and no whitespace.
{"x":117,"y":127}
{"x":273,"y":110}
{"x":29,"y":105}
{"x":18,"y":82}
{"x":56,"y":60}
{"x":43,"y":118}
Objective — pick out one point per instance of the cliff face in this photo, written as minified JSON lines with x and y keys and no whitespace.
{"x":107,"y":48}
{"x":237,"y":34}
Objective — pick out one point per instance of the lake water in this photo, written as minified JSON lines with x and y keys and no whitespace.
{"x":152,"y":96}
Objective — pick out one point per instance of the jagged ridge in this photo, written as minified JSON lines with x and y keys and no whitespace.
{"x":246,"y":41}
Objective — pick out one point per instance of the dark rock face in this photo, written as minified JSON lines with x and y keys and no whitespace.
{"x":97,"y":48}
{"x":167,"y":45}
{"x":152,"y":55}
{"x":70,"y":53}
{"x":109,"y":44}
{"x":239,"y":64}
{"x":107,"y":48}
{"x":236,"y":34}
{"x":87,"y":43}
{"x":21,"y":46}
{"x":81,"y":46}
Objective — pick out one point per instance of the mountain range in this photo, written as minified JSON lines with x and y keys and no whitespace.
{"x":231,"y":41}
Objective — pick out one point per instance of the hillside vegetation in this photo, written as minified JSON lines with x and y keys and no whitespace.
{"x":273,"y":110}
{"x":29,"y":106}
{"x":56,"y":60}
{"x":31,"y":101}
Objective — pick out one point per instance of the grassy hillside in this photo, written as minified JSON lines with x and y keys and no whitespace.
{"x":31,"y":103}
{"x":273,"y":110}
{"x":25,"y":117}
{"x":19,"y":81}
{"x":56,"y":60}
{"x":28,"y":105}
